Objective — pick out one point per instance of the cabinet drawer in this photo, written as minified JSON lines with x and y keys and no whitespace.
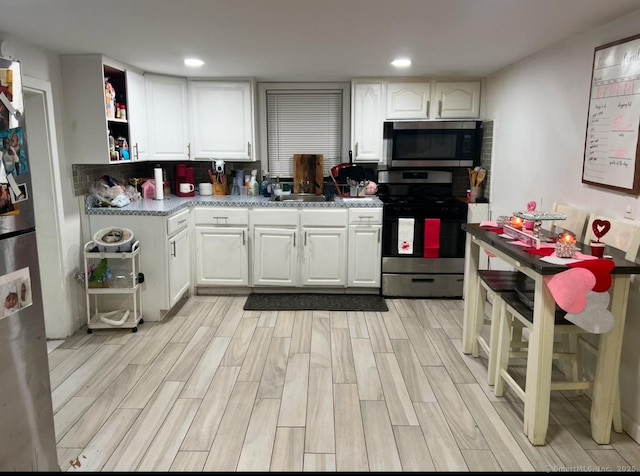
{"x":264,"y":216}
{"x":324,"y":217}
{"x":365,"y":216}
{"x":221,"y":216}
{"x":177,"y":222}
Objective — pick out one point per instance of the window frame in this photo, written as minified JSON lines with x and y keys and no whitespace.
{"x":263,"y":87}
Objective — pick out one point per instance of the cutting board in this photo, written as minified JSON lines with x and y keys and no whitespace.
{"x":308,"y":168}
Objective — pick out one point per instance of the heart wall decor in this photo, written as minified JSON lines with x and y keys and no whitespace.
{"x":600,"y":228}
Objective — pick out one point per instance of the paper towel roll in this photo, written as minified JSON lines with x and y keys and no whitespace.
{"x":157,"y":175}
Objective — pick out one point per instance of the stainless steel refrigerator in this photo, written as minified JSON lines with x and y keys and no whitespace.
{"x":27,"y":436}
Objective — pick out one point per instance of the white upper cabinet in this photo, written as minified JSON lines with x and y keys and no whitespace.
{"x":366,"y":121}
{"x":90,"y":113}
{"x":408,"y":100}
{"x":167,"y":118}
{"x":137,"y":116}
{"x":457,"y":100}
{"x":222,"y":120}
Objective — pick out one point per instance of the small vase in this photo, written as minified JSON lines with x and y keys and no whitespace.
{"x":565,"y":250}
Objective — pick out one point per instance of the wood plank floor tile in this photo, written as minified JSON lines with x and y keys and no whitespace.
{"x":189,"y":461}
{"x":377,"y":332}
{"x":68,"y":416}
{"x":461,"y":422}
{"x":58,"y":356}
{"x":357,"y":325}
{"x":413,"y":451}
{"x":318,"y":462}
{"x":217,"y":311}
{"x":541,"y":457}
{"x":196,"y":317}
{"x":74,"y":359}
{"x":339,"y":319}
{"x":424,"y":313}
{"x":351,"y":450}
{"x":94,"y":456}
{"x":240,"y":343}
{"x":160,"y":339}
{"x":629,"y":449}
{"x":381,"y":445}
{"x":182,"y":369}
{"x":414,"y":377}
{"x":301,"y":333}
{"x":342,"y":356}
{"x":254,"y":361}
{"x":495,"y":432}
{"x":284,"y":324}
{"x":448,"y":323}
{"x":206,"y":368}
{"x":268,"y":318}
{"x":395,"y":391}
{"x":101,"y":408}
{"x":165,"y":446}
{"x":441,"y":443}
{"x":609,"y":460}
{"x":393,"y":324}
{"x":288,"y":449}
{"x":293,"y":408}
{"x":230,"y":322}
{"x":275,"y":368}
{"x":68,"y":457}
{"x":261,"y":433}
{"x":424,"y":348}
{"x":206,"y":422}
{"x":480,"y":460}
{"x":133,"y":446}
{"x":320,"y":437}
{"x":153,"y":377}
{"x":369,"y":386}
{"x":404,"y":307}
{"x":450,"y":356}
{"x":320,"y":343}
{"x":227,"y":445}
{"x":567,"y":448}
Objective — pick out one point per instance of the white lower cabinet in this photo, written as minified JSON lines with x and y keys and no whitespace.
{"x":222,"y":246}
{"x":167,"y":263}
{"x":324,"y":247}
{"x":275,"y":259}
{"x":179,"y":271}
{"x":365,"y":247}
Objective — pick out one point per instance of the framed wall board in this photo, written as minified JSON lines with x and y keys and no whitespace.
{"x":611,"y":153}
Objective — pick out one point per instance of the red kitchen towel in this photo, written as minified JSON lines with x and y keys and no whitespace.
{"x":431,"y":237}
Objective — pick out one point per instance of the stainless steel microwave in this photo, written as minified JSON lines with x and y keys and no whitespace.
{"x":434,"y":143}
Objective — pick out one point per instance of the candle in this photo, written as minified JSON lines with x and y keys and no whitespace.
{"x":566,"y":245}
{"x":516,"y":222}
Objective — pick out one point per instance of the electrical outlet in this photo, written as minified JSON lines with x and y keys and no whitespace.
{"x":630,"y":208}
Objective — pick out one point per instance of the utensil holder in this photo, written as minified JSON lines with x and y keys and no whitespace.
{"x":475,"y":193}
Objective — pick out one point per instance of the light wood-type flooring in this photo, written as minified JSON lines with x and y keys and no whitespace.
{"x":216,"y":388}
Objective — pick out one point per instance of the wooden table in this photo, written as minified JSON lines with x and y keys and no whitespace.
{"x":539,"y":360}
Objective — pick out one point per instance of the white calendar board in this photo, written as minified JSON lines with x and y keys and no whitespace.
{"x":611,"y":144}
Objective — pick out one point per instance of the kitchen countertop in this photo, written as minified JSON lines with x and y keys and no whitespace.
{"x":173,"y":204}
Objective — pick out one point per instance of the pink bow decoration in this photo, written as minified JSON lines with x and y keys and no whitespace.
{"x":531,"y":206}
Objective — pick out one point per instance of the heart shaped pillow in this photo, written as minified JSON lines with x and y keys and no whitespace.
{"x":569,"y":288}
{"x":600,"y":228}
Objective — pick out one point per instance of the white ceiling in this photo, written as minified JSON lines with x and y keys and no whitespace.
{"x":307,"y":40}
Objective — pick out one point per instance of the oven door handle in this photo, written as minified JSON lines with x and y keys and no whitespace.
{"x":422,"y":280}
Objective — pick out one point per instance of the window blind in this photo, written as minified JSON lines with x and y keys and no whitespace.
{"x":303,"y":122}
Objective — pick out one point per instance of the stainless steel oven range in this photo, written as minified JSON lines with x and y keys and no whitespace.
{"x":422,"y":237}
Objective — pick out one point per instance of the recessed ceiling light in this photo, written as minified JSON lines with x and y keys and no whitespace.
{"x":193,"y":62}
{"x":401,"y":62}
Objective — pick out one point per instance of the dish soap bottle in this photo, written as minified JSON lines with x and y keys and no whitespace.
{"x":254,"y":187}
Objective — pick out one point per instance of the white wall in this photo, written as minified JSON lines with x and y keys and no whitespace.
{"x":45,"y":66}
{"x":540,"y":106}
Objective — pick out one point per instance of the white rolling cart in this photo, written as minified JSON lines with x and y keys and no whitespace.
{"x":123,"y":288}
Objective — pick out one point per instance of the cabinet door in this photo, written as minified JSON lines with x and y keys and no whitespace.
{"x":408,"y":100}
{"x":167,"y":118}
{"x":222,"y":256}
{"x":221,"y":120}
{"x":364,"y":256}
{"x":137,"y":116}
{"x":275,"y":258}
{"x":179,"y":266}
{"x":324,"y":256}
{"x":367,"y":122}
{"x":458,"y":100}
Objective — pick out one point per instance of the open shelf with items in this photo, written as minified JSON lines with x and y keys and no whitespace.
{"x":122,"y":286}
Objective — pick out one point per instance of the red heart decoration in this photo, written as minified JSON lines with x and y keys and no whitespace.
{"x":600,"y":228}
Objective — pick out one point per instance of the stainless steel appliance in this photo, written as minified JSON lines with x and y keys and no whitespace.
{"x":434,"y":143}
{"x":27,"y":436}
{"x":416,"y":195}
